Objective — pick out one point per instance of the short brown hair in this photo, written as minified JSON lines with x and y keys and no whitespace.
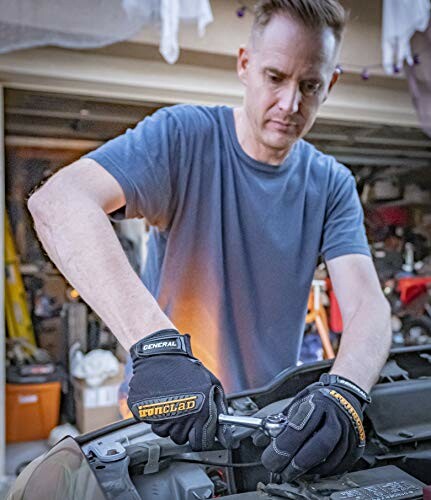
{"x":317,"y":14}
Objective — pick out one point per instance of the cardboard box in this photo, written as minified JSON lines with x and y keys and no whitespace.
{"x":97,"y":406}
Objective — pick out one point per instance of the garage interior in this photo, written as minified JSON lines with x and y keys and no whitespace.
{"x":66,"y":374}
{"x":45,"y":131}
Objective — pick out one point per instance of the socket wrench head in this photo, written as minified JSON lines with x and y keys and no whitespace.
{"x":272,"y":425}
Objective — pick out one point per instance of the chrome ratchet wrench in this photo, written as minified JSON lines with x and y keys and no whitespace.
{"x":271,"y":425}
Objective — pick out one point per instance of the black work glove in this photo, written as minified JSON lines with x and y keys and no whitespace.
{"x":175,"y":393}
{"x":324,"y":434}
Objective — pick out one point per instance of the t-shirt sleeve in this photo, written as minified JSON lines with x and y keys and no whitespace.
{"x":344,"y":231}
{"x":145,"y":162}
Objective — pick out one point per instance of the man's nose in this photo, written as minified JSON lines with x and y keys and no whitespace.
{"x":289,"y":99}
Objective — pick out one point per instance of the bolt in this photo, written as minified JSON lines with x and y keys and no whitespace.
{"x":405,"y":434}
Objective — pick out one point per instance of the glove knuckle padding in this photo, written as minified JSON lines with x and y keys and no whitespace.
{"x":324,"y":434}
{"x":300,"y":412}
{"x":304,"y":417}
{"x":175,"y":393}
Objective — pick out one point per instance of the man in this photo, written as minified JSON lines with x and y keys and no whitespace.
{"x":240,"y":208}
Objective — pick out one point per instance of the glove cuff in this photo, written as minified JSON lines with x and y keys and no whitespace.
{"x":333,"y":380}
{"x":167,"y":341}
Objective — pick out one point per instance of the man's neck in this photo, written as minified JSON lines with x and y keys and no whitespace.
{"x":251,"y":146}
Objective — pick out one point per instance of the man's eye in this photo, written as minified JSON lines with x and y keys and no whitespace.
{"x":310,"y":88}
{"x":274,"y":78}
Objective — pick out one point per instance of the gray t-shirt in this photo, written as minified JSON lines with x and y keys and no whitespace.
{"x":234,"y":242}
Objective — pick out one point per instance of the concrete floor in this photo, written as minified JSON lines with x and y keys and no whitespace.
{"x":17,"y":456}
{"x":5,"y":484}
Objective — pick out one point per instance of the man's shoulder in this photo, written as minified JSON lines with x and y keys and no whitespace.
{"x":323,"y":163}
{"x":195,"y":117}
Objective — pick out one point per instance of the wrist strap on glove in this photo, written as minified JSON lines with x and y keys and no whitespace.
{"x":167,"y":341}
{"x":346,"y":384}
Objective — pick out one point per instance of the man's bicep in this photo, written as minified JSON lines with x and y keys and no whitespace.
{"x":87,"y":178}
{"x":343,"y":230}
{"x":354,"y":280}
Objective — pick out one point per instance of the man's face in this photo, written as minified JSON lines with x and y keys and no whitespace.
{"x":287,"y":70}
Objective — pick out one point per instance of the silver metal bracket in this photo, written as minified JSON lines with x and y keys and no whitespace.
{"x":108,"y":452}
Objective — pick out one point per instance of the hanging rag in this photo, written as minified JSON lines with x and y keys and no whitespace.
{"x":83,"y":24}
{"x":401,"y":19}
{"x":419,"y":78}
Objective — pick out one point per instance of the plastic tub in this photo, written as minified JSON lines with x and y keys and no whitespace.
{"x":32,"y":410}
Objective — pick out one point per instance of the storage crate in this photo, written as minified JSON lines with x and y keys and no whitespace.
{"x":32,"y":410}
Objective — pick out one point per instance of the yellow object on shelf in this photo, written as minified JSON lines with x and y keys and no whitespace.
{"x":18,"y":318}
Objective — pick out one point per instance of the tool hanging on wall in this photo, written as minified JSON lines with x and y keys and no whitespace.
{"x":18,"y":318}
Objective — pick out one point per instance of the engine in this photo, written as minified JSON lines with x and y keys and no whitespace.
{"x":131,"y":462}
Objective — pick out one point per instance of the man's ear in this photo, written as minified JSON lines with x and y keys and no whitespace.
{"x":242,"y":63}
{"x":335,"y":75}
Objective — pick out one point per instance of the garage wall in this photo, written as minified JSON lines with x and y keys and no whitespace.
{"x":227,"y":32}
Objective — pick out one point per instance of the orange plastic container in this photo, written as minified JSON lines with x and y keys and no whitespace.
{"x":32,"y":410}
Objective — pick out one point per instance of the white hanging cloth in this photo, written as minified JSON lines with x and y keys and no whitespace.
{"x":170,"y":13}
{"x":401,"y":19}
{"x":419,"y":78}
{"x":95,"y":23}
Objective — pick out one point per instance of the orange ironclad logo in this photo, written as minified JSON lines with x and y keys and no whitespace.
{"x":170,"y":407}
{"x":352,"y":412}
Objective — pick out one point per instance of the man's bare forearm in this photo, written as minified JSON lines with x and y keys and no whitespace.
{"x":78,"y":237}
{"x":365,"y":343}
